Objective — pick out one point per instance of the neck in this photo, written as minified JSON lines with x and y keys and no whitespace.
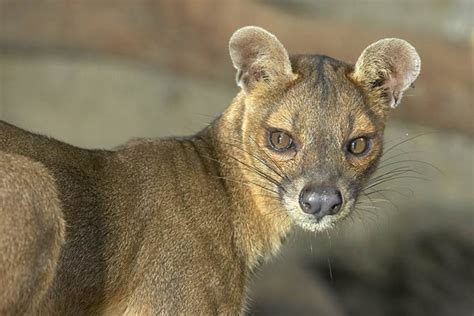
{"x":259,"y":223}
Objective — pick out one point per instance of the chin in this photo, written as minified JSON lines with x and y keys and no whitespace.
{"x":326,"y":223}
{"x":314,"y":226}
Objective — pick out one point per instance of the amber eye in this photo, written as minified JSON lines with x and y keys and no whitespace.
{"x":358,"y":146}
{"x":280,"y":141}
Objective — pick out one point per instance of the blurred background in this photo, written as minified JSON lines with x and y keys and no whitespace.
{"x":95,"y":73}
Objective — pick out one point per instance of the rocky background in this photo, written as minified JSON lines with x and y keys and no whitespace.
{"x":95,"y":73}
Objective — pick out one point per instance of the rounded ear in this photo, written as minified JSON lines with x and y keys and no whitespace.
{"x":259,"y":57}
{"x":389,"y":66}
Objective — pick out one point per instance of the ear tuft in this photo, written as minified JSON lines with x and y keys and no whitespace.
{"x":259,"y":57}
{"x":391,"y":65}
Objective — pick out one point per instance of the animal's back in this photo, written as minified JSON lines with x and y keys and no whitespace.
{"x":76,"y":172}
{"x":55,"y":155}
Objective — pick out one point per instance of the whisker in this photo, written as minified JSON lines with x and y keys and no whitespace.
{"x":391,"y":190}
{"x":282,"y":172}
{"x":262,"y":174}
{"x":414,"y":161}
{"x":220,"y":162}
{"x":407,"y":140}
{"x":256,"y":157}
{"x":400,"y":154}
{"x":247,"y":183}
{"x":395,"y":178}
{"x":395,"y":172}
{"x":388,"y":200}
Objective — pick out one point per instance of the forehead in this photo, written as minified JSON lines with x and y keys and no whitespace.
{"x":324,"y":84}
{"x":325,"y":96}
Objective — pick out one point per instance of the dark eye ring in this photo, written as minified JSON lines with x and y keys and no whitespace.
{"x":280,"y":140}
{"x":359,"y":146}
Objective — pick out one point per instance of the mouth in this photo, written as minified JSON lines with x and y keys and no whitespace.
{"x":315,"y":224}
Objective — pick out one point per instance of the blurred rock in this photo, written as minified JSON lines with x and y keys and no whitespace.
{"x":91,"y":102}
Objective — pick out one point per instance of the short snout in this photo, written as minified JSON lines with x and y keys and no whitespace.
{"x":320,"y":201}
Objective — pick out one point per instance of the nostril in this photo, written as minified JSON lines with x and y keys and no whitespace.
{"x":337,"y":202}
{"x":309,"y":201}
{"x":335,"y":208}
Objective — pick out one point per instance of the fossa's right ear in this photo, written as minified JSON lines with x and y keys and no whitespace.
{"x":259,"y":58}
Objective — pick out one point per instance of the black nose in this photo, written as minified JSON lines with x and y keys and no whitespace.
{"x":320,"y":201}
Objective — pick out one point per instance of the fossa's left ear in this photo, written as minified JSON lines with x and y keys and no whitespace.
{"x":389,"y":67}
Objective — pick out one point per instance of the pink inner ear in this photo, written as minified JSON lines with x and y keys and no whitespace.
{"x":393,"y":82}
{"x":402,"y":74}
{"x":395,"y":86}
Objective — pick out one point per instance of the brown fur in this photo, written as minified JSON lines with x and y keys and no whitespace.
{"x":31,"y":233}
{"x":177,"y":225}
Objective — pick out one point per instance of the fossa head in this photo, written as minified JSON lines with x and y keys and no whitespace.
{"x":312,"y":126}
